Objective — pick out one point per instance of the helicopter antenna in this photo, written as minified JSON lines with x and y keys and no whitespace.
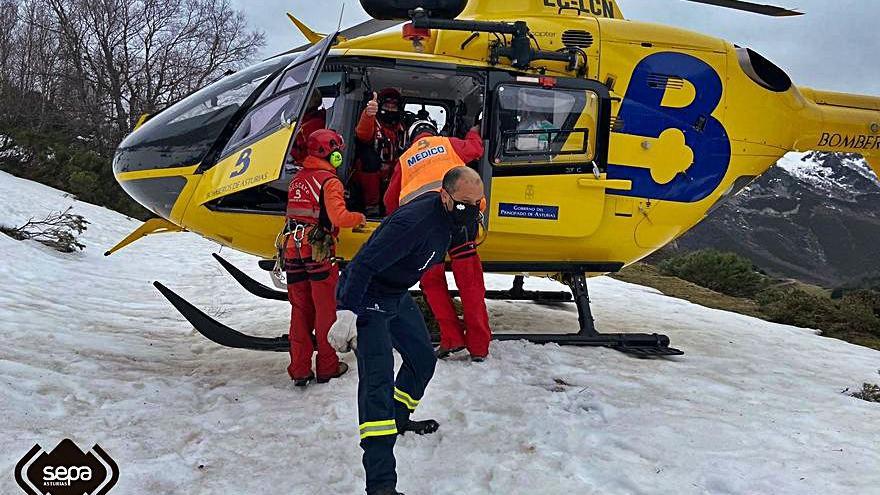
{"x":341,"y":12}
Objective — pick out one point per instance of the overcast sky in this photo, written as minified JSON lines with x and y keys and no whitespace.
{"x":835,"y":46}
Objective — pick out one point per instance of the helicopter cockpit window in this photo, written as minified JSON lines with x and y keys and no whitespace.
{"x":275,"y":107}
{"x":544,"y":124}
{"x":183,"y":133}
{"x":271,"y":114}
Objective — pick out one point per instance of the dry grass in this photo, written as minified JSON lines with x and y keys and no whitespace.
{"x":870,"y":392}
{"x":647,"y":275}
{"x":806,"y":305}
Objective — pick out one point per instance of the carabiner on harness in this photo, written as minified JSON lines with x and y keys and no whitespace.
{"x":298,"y":233}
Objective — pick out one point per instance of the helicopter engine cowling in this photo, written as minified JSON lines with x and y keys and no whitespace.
{"x":400,"y":9}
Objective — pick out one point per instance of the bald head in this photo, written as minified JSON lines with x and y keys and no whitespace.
{"x":459,"y":177}
{"x":461,"y":184}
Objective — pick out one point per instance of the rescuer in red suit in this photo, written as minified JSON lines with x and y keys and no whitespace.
{"x":314,"y":119}
{"x":315,"y":201}
{"x":380,"y":133}
{"x":427,"y":160}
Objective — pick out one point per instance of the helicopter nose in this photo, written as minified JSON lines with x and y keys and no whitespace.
{"x":147,"y":175}
{"x":157,"y":194}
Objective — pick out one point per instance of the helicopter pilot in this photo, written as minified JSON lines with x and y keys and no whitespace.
{"x":314,"y":119}
{"x":380,"y":136}
{"x":420,"y":170}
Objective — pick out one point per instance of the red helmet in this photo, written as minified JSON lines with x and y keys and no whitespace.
{"x":325,"y":141}
{"x":389,"y":94}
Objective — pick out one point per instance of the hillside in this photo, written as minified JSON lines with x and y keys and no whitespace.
{"x":814,"y":217}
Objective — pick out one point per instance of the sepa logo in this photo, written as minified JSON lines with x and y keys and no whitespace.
{"x":67,"y":470}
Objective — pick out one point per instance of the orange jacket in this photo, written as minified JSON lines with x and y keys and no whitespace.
{"x":334,"y":197}
{"x":367,"y":132}
{"x":468,"y":149}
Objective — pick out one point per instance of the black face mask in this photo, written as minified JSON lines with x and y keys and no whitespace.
{"x":463,"y":214}
{"x":389,"y":117}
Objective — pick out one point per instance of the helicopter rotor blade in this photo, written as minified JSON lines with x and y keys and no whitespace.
{"x":365,"y":28}
{"x":757,"y":8}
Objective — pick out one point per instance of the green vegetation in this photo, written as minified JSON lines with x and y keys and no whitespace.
{"x":69,"y":92}
{"x":727,"y":273}
{"x":731,"y":282}
{"x":852,"y":318}
{"x":70,"y":165}
{"x":650,"y":276}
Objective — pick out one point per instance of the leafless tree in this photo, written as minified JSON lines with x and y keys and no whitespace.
{"x":104,"y":62}
{"x":75,"y":75}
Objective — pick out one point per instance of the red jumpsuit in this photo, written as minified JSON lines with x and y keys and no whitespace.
{"x":385,"y":140}
{"x":466,"y":268}
{"x":311,"y":286}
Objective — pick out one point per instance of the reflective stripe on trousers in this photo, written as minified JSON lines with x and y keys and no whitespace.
{"x":378,"y":428}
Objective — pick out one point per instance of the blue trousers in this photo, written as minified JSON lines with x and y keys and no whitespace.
{"x":389,"y":322}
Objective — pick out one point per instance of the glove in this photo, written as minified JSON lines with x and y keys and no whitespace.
{"x":343,"y":333}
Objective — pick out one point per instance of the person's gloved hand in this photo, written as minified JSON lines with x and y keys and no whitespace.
{"x":343,"y":333}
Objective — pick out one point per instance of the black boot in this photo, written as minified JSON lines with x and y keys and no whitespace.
{"x":302,"y":382}
{"x":425,"y":427}
{"x":385,"y":491}
{"x":341,"y":370}
{"x":443,"y":353}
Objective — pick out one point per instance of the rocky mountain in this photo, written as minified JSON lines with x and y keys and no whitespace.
{"x":814,"y":217}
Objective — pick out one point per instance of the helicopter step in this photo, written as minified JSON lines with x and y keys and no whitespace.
{"x":249,"y":284}
{"x":634,"y":344}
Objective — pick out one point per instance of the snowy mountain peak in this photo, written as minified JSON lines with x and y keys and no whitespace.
{"x":841,"y":176}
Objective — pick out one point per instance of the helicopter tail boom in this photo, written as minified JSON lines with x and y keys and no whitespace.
{"x":842,"y":123}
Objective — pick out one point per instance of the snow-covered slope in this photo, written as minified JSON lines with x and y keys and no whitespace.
{"x":89,"y":350}
{"x":839,"y":176}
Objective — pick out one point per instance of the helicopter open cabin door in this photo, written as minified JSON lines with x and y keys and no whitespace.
{"x":259,"y":138}
{"x":550,"y":148}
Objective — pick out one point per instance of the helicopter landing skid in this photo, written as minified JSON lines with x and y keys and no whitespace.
{"x":635,"y":344}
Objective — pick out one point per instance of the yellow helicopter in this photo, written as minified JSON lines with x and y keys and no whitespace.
{"x":644,"y":130}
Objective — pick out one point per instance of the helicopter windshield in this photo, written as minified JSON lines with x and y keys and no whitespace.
{"x":182,"y":134}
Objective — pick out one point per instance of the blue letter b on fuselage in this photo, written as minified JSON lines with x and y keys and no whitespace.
{"x":643,"y":115}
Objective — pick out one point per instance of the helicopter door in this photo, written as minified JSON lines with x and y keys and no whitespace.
{"x":256,"y":151}
{"x":549,"y":149}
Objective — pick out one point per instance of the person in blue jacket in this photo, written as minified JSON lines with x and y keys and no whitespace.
{"x":375,"y":313}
